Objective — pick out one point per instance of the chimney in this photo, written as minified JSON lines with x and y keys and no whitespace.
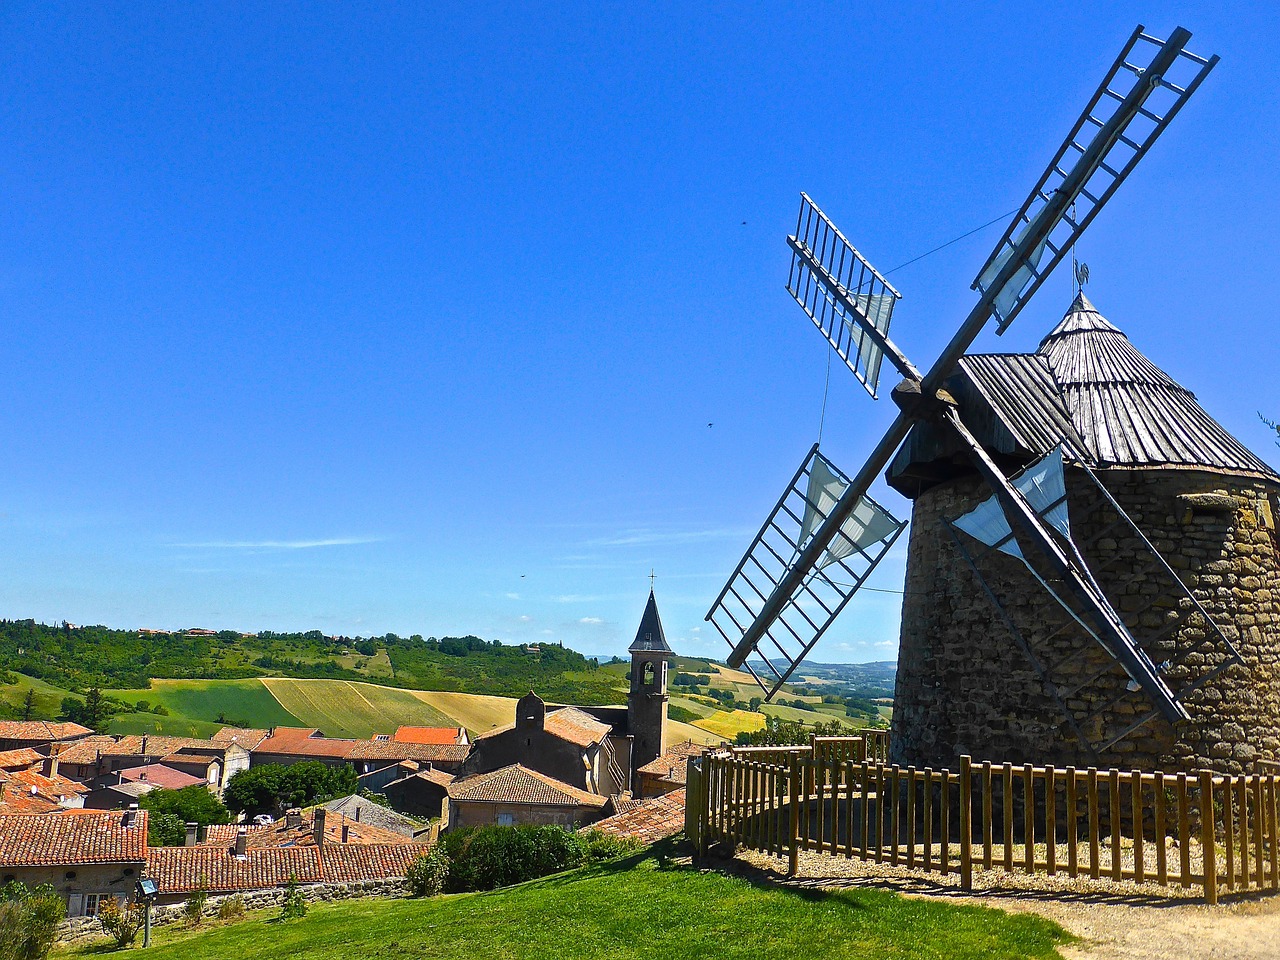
{"x":119,"y":777}
{"x":144,"y":744}
{"x":357,"y":813}
{"x":318,"y":829}
{"x":51,"y":766}
{"x":190,"y":840}
{"x":242,"y":843}
{"x":130,"y":816}
{"x":346,"y":832}
{"x":293,"y":818}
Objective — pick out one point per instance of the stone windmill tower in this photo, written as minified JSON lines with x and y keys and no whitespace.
{"x":994,"y":666}
{"x":1094,"y":559}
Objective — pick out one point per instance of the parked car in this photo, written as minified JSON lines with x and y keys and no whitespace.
{"x":263,"y":820}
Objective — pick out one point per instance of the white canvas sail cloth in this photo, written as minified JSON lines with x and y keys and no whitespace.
{"x":1007,"y":297}
{"x":877,"y":308}
{"x":867,"y":525}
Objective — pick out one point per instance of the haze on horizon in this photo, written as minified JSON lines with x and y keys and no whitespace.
{"x":462,"y":321}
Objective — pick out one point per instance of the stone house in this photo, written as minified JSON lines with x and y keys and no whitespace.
{"x":516,"y":795}
{"x":97,"y":759}
{"x":87,"y":857}
{"x":667,"y":772}
{"x":565,"y":744}
{"x":290,"y":745}
{"x":422,"y":793}
{"x":368,"y":756}
{"x":437,"y":735}
{"x":44,"y":735}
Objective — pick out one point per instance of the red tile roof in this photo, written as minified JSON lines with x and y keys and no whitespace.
{"x":41,"y":730}
{"x":518,"y":784}
{"x":183,"y":869}
{"x":651,"y":820}
{"x":428,"y":734}
{"x":305,"y":742}
{"x":567,"y":723}
{"x":672,"y":766}
{"x":247,"y":737}
{"x":67,"y":839}
{"x":280,"y":834}
{"x":86,"y":750}
{"x":421,"y":752}
{"x":21,"y":757}
{"x":160,"y":775}
{"x":218,"y":870}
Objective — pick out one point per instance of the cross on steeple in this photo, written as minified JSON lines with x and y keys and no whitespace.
{"x":651,"y":579}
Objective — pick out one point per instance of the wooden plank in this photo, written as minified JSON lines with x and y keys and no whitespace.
{"x":1028,"y":818}
{"x":793,"y":850}
{"x":895,"y":818}
{"x":1091,"y":784}
{"x":880,"y":807}
{"x":986,"y":814}
{"x":820,"y":789}
{"x":1242,"y":815}
{"x":1051,"y":820}
{"x":1184,"y":832}
{"x":1259,"y":824}
{"x":911,"y":817}
{"x":1229,"y":833}
{"x":1073,"y":817}
{"x":928,"y":818}
{"x":1113,"y":801}
{"x":966,"y":824}
{"x":1207,"y":842}
{"x":1162,"y":833}
{"x":850,"y":818}
{"x":1139,"y":826}
{"x":1274,"y":807}
{"x":866,"y":806}
{"x":944,"y":798}
{"x":1007,"y":819}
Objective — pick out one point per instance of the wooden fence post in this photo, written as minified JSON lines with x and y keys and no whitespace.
{"x":966,"y":823}
{"x":1208,"y":842}
{"x":793,"y":860}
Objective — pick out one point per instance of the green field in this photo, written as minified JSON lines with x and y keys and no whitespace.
{"x":342,"y":708}
{"x":48,"y":701}
{"x":646,"y":907}
{"x":240,"y":702}
{"x":170,"y":726}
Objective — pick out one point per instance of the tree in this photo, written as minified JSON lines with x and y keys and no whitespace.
{"x":29,"y":919}
{"x":172,"y":810}
{"x":29,"y":704}
{"x":273,"y":787}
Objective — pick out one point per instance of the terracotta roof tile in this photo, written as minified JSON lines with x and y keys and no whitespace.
{"x":651,"y":820}
{"x":441,"y":735}
{"x":567,"y":723}
{"x":672,"y":766}
{"x":518,"y":784}
{"x":421,"y":752}
{"x":41,"y":730}
{"x":86,"y":750}
{"x":161,"y":776}
{"x":247,"y":737}
{"x":60,"y":839}
{"x":22,"y":757}
{"x":280,"y":834}
{"x":305,"y":742}
{"x":218,"y":870}
{"x":348,"y":862}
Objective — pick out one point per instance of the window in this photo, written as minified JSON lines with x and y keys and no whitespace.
{"x":383,"y":737}
{"x":506,"y":820}
{"x":648,"y":674}
{"x":93,"y":903}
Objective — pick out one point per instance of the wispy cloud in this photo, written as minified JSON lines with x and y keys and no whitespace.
{"x":525,"y":618}
{"x":591,"y":620}
{"x":645,"y":536}
{"x":573,"y":598}
{"x":279,"y":544}
{"x":513,"y":596}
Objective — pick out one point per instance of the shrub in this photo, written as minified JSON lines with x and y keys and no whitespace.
{"x":193,"y":910}
{"x":482,"y":858}
{"x":231,"y":909}
{"x":29,"y":920}
{"x":294,"y":905}
{"x":121,"y":922}
{"x":428,"y":874}
{"x":605,"y":846}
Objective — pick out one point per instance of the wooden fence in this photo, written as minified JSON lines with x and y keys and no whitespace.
{"x":839,"y":796}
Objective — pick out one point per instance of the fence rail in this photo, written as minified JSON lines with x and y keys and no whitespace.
{"x":839,"y":796}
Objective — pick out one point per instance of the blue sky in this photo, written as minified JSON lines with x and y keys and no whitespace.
{"x":414,"y":317}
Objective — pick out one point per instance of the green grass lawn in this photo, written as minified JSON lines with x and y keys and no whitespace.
{"x":204,"y":700}
{"x":342,"y":708}
{"x":171,"y":726}
{"x":48,"y":701}
{"x":640,"y":908}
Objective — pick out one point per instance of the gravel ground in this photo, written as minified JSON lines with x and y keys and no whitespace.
{"x":1114,"y":921}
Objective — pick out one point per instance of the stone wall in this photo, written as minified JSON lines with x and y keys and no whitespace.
{"x":87,"y":929}
{"x":964,"y":685}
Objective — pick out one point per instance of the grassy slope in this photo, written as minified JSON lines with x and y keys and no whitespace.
{"x":641,"y":909}
{"x":475,"y":711}
{"x":729,"y":725}
{"x":170,"y":726}
{"x":48,"y":700}
{"x":344,"y":709}
{"x":239,"y":700}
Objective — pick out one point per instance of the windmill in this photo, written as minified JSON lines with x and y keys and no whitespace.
{"x":826,"y":534}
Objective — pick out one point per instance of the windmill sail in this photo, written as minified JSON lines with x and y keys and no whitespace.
{"x":845,"y":297}
{"x":1144,"y":89}
{"x":859,"y":545}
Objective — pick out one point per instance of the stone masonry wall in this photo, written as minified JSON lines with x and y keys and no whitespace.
{"x":87,"y":929}
{"x":964,"y":685}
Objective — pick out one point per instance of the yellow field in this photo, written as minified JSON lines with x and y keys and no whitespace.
{"x":342,"y":708}
{"x":475,"y":711}
{"x":729,"y":724}
{"x":679,"y":732}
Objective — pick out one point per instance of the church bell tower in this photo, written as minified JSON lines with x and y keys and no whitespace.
{"x":647,"y":699}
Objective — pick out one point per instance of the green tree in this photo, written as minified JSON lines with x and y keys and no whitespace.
{"x":29,"y":704}
{"x":172,"y":810}
{"x":29,"y":919}
{"x":273,"y":787}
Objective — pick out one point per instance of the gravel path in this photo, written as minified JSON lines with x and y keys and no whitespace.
{"x":1114,"y":921}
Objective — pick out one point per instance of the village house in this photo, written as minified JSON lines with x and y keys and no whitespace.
{"x":40,"y":734}
{"x":29,"y":790}
{"x":646,"y":821}
{"x":517,"y":795}
{"x":299,"y":828}
{"x":668,"y":772}
{"x":422,"y":793}
{"x":133,"y":783}
{"x":357,"y":809}
{"x":368,"y":756}
{"x":438,"y":735}
{"x":87,"y":857}
{"x":97,"y":759}
{"x":290,"y":745}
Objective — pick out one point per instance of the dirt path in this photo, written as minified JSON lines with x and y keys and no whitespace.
{"x":1112,"y":922}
